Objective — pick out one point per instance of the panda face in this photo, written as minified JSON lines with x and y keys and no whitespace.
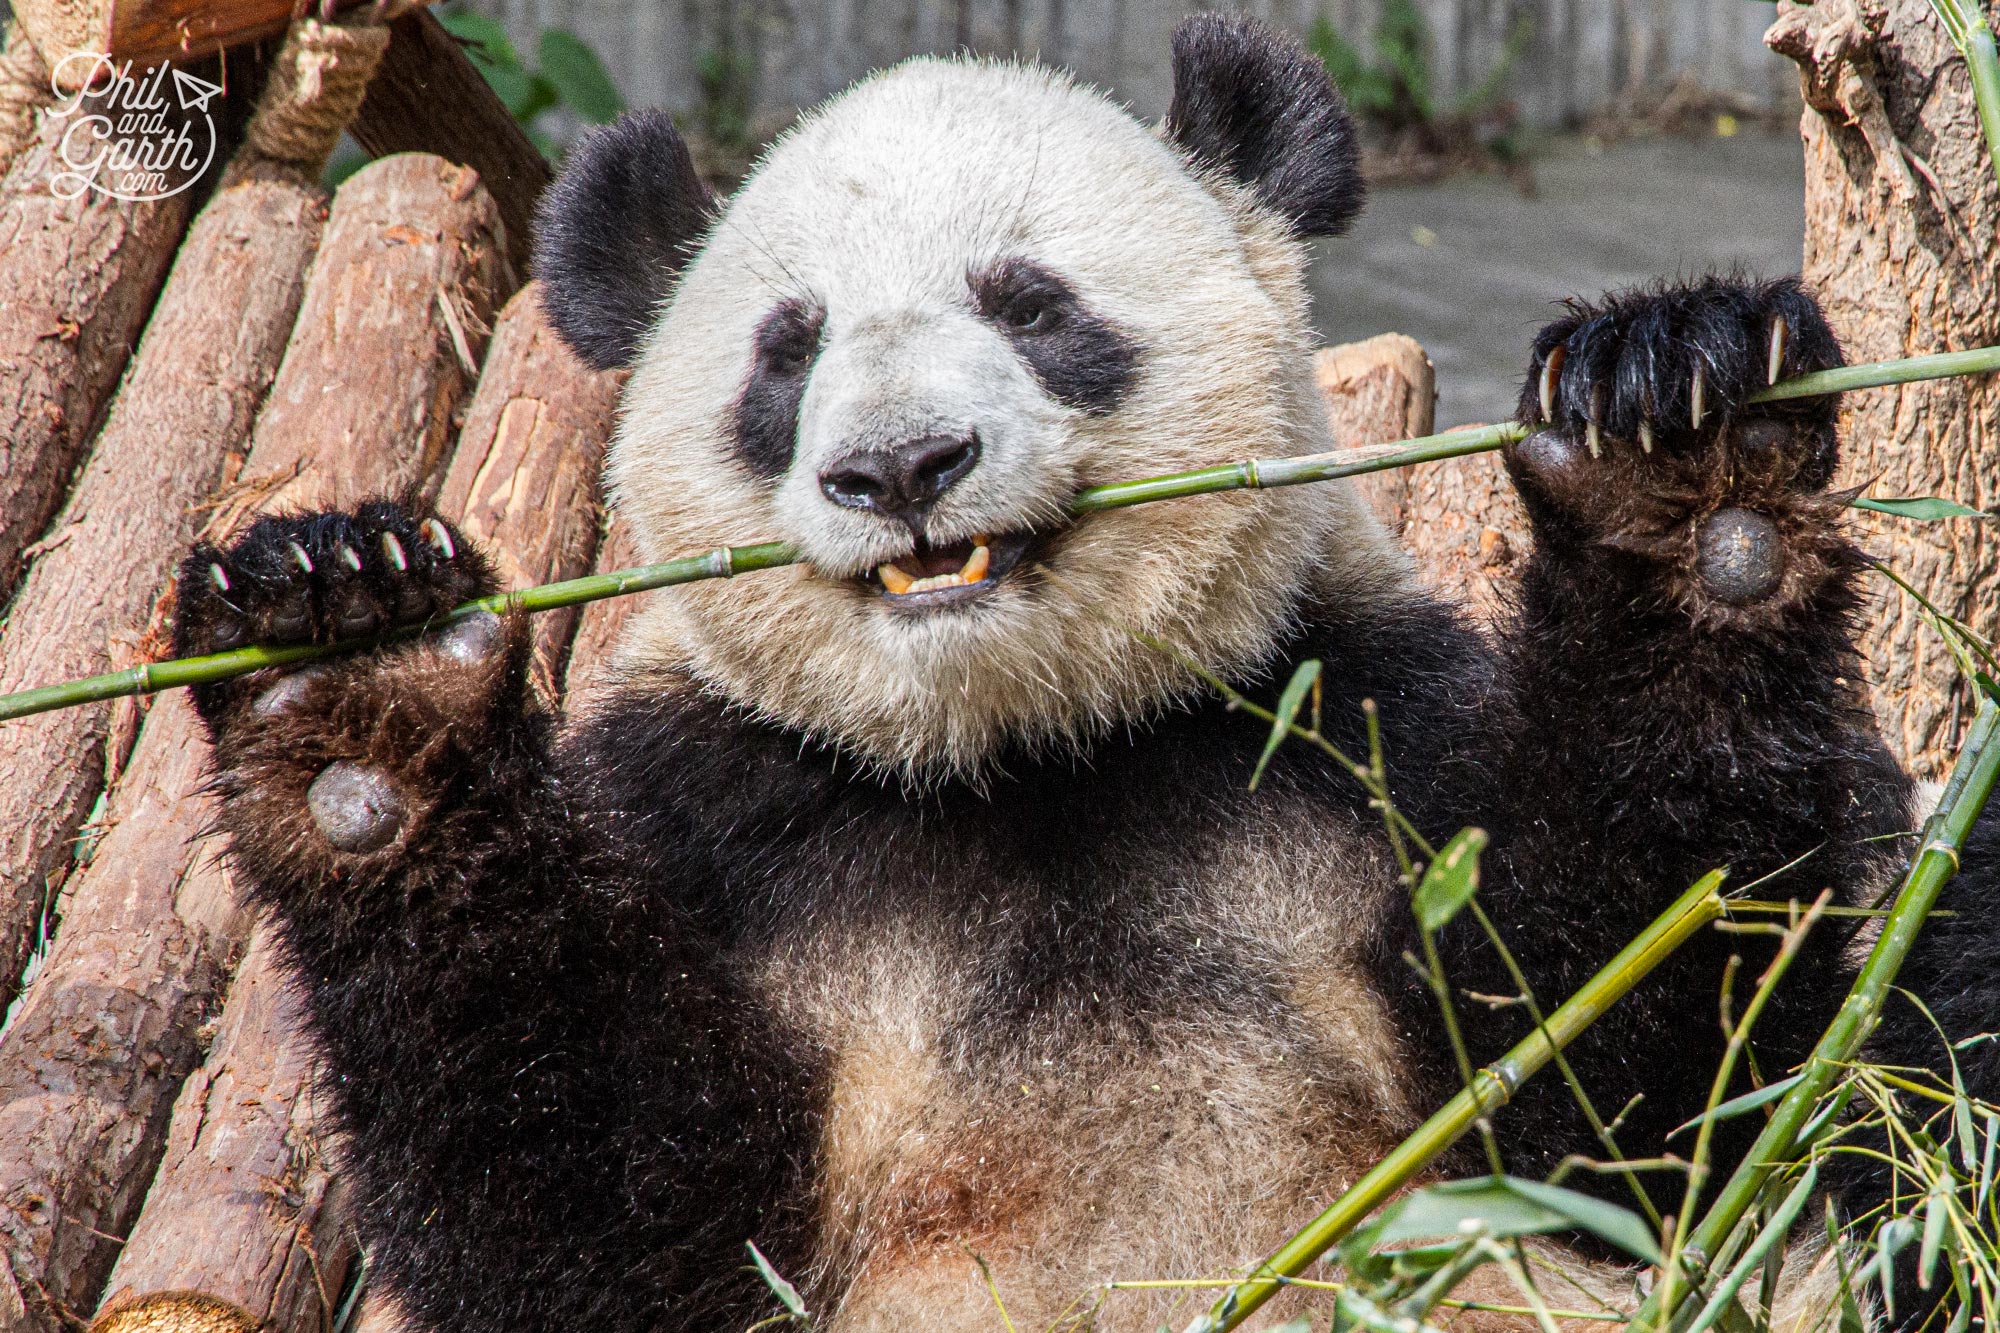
{"x":940,"y":307}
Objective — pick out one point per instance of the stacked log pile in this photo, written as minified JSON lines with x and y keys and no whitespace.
{"x":163,"y":1163}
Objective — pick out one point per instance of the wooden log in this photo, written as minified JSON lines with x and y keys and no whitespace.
{"x":429,"y":98}
{"x":389,"y":330}
{"x":522,"y":481}
{"x":1903,"y":247}
{"x":24,"y":93}
{"x":246,"y":1213}
{"x":1459,"y":518}
{"x":524,"y":477}
{"x":591,"y":659}
{"x":189,"y":396}
{"x":77,"y":280}
{"x":148,"y":31}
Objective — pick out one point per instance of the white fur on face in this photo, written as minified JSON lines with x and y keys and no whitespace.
{"x":875,"y":211}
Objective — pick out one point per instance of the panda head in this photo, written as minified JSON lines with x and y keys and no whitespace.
{"x":941,"y":305}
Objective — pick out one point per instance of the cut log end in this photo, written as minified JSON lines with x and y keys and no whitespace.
{"x":175,"y":1312}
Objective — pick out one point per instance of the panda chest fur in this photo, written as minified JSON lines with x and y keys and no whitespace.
{"x":1127,"y":1052}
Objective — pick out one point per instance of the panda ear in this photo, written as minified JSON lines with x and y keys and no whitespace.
{"x":1255,"y":104}
{"x":612,"y":232}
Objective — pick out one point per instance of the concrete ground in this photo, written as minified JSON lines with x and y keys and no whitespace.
{"x":1470,"y":269}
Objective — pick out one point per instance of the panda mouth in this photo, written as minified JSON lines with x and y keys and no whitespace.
{"x":951,"y":575}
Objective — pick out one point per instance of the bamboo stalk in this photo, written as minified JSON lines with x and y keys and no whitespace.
{"x":1964,"y":797}
{"x":1492,"y":1086}
{"x":724,"y":562}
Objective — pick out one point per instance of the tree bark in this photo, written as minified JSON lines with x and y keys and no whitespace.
{"x":598,"y":628}
{"x":1903,"y":246}
{"x":77,"y":280}
{"x":24,"y":93}
{"x":362,"y":405}
{"x":148,"y":31}
{"x":209,"y":354}
{"x":524,"y":477}
{"x":1458,"y":518}
{"x":522,"y":482}
{"x":429,"y":98}
{"x":247,"y":1211}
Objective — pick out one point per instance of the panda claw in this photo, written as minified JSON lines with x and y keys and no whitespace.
{"x":218,"y":576}
{"x":1593,"y":431}
{"x":439,"y":537}
{"x":1698,"y":397}
{"x":1645,"y":435}
{"x":348,"y":557}
{"x":300,"y":558}
{"x":392,"y":551}
{"x":1780,"y":335}
{"x":1551,"y":369}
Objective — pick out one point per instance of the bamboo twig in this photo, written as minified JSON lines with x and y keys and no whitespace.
{"x":1493,"y":1086}
{"x":1965,"y":794}
{"x":1254,"y":474}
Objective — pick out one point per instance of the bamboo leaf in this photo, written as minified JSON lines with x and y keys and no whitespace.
{"x":1450,"y":881}
{"x":787,"y":1294}
{"x":1287,"y":711}
{"x":1936,"y":1209}
{"x":1923,"y":508}
{"x":1736,"y":1106}
{"x":1502,"y":1207}
{"x":1894,"y":1235}
{"x":578,"y":77}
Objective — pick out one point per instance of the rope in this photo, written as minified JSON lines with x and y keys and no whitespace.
{"x":316,"y":85}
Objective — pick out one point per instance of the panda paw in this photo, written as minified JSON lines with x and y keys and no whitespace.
{"x":348,"y":756}
{"x":1648,"y":454}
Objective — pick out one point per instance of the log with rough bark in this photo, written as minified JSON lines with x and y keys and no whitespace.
{"x":1903,"y":246}
{"x":77,"y":280}
{"x":429,"y":98}
{"x":1459,"y":518}
{"x":189,"y":396}
{"x":148,"y":31}
{"x":24,"y":93}
{"x":247,"y":1222}
{"x":597,"y":630}
{"x":523,"y":479}
{"x":385,"y":344}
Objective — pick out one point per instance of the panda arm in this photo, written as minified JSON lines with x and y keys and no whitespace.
{"x":1679,"y":695}
{"x":560,"y":1108}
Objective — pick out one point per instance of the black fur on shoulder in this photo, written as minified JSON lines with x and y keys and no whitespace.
{"x":1257,"y":105}
{"x":614,"y":230}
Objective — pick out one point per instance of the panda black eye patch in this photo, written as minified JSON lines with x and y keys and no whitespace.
{"x":767,"y":411}
{"x":1080,"y":358}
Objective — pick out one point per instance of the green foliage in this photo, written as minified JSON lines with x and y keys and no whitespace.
{"x":787,"y":1294}
{"x":1923,"y":508}
{"x":726,"y":77}
{"x":568,"y":75}
{"x":1392,"y":85}
{"x":1450,"y":881}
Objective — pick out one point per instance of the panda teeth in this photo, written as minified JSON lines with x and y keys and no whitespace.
{"x":974,"y":571}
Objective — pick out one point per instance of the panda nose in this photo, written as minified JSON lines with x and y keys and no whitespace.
{"x":902,"y":483}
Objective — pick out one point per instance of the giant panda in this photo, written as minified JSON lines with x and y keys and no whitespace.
{"x":903,"y":911}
